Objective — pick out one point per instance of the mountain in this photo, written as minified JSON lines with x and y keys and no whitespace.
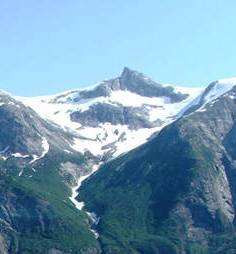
{"x":38,"y":167}
{"x":116,"y":115}
{"x":176,"y":193}
{"x":166,"y":181}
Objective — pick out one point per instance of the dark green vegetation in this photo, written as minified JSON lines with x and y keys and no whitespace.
{"x":36,"y":214}
{"x":174,"y":195}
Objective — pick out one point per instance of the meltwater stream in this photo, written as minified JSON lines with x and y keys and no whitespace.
{"x":80,"y":205}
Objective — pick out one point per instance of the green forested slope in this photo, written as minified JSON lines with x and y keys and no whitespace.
{"x":175,"y":194}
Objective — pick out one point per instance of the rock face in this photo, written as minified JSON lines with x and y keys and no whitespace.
{"x":131,"y":81}
{"x":22,"y":131}
{"x":134,"y":117}
{"x":138,"y":83}
{"x":177,"y":192}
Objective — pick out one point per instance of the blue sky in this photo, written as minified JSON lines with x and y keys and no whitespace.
{"x":48,"y":46}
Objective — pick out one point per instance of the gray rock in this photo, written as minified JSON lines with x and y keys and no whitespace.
{"x":129,"y":80}
{"x":134,"y":117}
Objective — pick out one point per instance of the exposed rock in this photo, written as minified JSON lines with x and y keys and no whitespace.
{"x":98,"y":113}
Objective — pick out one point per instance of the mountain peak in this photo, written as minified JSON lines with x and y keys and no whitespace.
{"x":127,"y":73}
{"x":126,"y":70}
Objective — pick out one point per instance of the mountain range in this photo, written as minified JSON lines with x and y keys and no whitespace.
{"x":128,"y":165}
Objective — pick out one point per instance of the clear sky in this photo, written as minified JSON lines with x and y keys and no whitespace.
{"x":48,"y":46}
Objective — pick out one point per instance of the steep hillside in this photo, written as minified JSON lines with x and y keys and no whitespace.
{"x":37,"y":169}
{"x":176,"y":193}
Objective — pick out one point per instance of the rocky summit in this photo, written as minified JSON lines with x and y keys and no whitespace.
{"x":128,"y":165}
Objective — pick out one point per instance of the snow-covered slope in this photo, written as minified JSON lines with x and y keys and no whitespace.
{"x":218,"y":88}
{"x":211,"y":94}
{"x":115,"y":115}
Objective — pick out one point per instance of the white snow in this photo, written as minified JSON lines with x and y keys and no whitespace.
{"x":59,"y":113}
{"x":57,"y":109}
{"x":67,"y":151}
{"x":220,"y":88}
{"x":82,"y":145}
{"x":123,"y":138}
{"x":80,"y":205}
{"x":134,"y":139}
{"x":232,"y":97}
{"x":19,"y":155}
{"x":191,"y":103}
{"x":129,"y":99}
{"x":35,"y":158}
{"x":45,"y":147}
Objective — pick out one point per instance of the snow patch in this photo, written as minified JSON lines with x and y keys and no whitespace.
{"x":82,"y":145}
{"x":19,"y":155}
{"x":45,"y":147}
{"x":67,"y":151}
{"x":221,"y":87}
{"x":232,"y":97}
{"x":80,"y":205}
